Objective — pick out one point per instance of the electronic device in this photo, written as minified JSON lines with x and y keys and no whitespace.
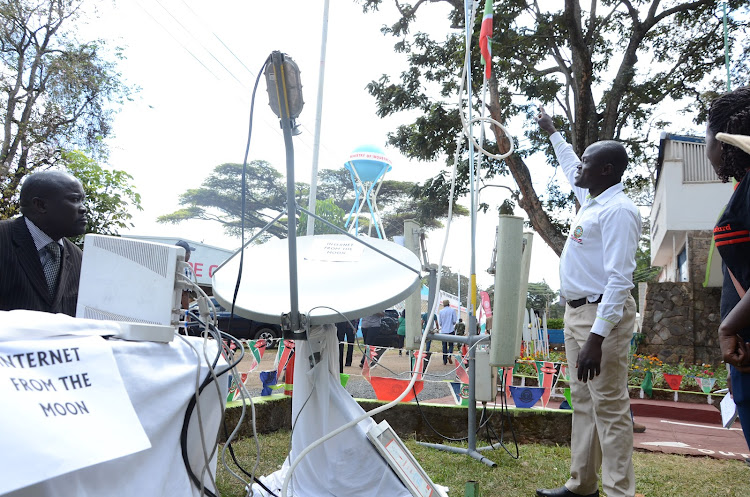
{"x":485,"y":377}
{"x":506,"y":313}
{"x":400,"y":459}
{"x":133,"y":282}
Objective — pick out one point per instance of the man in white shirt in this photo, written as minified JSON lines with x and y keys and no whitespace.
{"x":596,"y":268}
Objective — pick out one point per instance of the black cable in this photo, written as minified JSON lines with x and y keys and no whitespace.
{"x":244,"y":187}
{"x":218,"y":335}
{"x":450,"y":439}
{"x":236,"y":462}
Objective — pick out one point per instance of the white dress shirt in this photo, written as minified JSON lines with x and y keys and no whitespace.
{"x":599,"y":255}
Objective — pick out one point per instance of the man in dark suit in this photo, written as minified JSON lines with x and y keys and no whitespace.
{"x":40,"y":268}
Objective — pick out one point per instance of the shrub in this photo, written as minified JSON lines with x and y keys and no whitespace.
{"x":555,"y":324}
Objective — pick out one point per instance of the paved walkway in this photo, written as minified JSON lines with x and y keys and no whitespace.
{"x":692,"y":429}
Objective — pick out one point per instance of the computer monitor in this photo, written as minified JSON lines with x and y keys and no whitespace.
{"x":124,"y":279}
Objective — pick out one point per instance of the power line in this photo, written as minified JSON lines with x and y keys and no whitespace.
{"x":175,"y":39}
{"x":201,"y":45}
{"x":220,"y":40}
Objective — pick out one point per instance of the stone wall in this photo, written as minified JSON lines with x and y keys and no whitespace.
{"x":680,"y":321}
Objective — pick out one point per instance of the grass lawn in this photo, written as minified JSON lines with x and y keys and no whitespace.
{"x":657,"y":475}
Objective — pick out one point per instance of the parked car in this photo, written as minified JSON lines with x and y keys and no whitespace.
{"x":242,"y":328}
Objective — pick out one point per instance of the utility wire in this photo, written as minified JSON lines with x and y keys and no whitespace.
{"x":201,"y":44}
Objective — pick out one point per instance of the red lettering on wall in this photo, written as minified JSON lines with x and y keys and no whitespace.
{"x":198,"y":269}
{"x":211,"y":270}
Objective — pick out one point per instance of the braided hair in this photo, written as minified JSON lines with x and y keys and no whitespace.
{"x":730,"y":113}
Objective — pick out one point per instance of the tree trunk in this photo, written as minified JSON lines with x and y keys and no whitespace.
{"x":528,"y":200}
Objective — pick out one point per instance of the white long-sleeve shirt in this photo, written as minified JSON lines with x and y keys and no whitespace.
{"x":599,"y":254}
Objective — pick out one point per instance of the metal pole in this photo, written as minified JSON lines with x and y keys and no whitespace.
{"x":286,"y":127}
{"x":318,"y":114}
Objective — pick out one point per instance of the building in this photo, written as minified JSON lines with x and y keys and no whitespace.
{"x":681,"y":312}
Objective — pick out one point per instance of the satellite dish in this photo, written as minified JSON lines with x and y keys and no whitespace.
{"x":335,"y":273}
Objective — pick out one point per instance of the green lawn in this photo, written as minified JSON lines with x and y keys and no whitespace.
{"x":657,"y":475}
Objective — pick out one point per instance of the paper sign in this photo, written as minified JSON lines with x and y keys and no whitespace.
{"x":335,"y":251}
{"x":728,"y":411}
{"x":64,"y":408}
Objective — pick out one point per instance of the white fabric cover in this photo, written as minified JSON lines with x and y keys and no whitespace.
{"x":160,"y":380}
{"x":345,"y":465}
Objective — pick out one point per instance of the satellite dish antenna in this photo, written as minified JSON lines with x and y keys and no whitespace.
{"x":337,"y":275}
{"x":367,"y":166}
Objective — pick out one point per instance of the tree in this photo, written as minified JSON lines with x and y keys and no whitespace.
{"x":539,"y":296}
{"x":609,"y":71}
{"x":109,"y":194}
{"x":57,"y":93}
{"x":325,"y":209}
{"x":219,"y":199}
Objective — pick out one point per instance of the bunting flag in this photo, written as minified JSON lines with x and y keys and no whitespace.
{"x":268,"y":379}
{"x":289,"y":375}
{"x":462,"y":374}
{"x":286,"y":347}
{"x":648,"y":384}
{"x":566,"y":394}
{"x":344,"y":379}
{"x":388,"y":389}
{"x":235,"y":387}
{"x":547,"y":373}
{"x":256,"y":348}
{"x":526,"y":397}
{"x":565,"y":373}
{"x":485,"y":36}
{"x":705,"y":384}
{"x":460,"y":393}
{"x":366,"y":365}
{"x":673,"y":380}
{"x":419,"y":361}
{"x":508,"y":375}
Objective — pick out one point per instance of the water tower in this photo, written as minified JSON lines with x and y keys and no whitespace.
{"x":367,"y":166}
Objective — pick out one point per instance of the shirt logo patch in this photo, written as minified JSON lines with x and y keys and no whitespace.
{"x":577,"y":234}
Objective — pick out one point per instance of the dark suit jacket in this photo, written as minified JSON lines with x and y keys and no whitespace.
{"x":22,"y":282}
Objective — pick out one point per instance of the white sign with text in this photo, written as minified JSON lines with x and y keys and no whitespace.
{"x":64,"y":408}
{"x":335,"y":251}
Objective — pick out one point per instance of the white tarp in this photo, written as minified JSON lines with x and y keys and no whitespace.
{"x":160,"y":379}
{"x":345,"y":465}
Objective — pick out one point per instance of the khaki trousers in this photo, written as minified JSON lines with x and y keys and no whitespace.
{"x":602,"y":434}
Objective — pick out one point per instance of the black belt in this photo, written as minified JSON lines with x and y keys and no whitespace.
{"x":579,"y":302}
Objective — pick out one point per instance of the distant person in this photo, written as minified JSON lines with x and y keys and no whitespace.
{"x":596,"y":269}
{"x":39,"y":267}
{"x":447,"y":317}
{"x":187,"y":295}
{"x":346,"y":330}
{"x":401,"y":332}
{"x":435,"y":327}
{"x":370,"y":331}
{"x":730,"y":114}
{"x":460,"y":327}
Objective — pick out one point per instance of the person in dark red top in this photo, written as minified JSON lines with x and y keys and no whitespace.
{"x":728,"y":121}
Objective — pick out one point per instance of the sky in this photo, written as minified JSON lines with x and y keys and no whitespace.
{"x":196,"y":63}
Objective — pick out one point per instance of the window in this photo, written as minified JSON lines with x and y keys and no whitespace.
{"x":682,"y":270}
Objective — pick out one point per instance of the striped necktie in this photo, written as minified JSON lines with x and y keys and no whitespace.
{"x":52,"y":266}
